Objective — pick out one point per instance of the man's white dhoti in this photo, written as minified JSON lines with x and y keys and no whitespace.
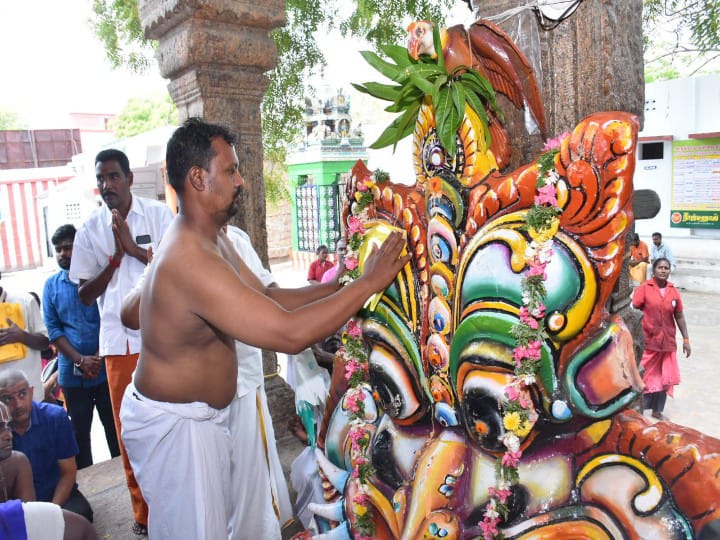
{"x":260,"y":495}
{"x":43,"y":521}
{"x":181,"y":455}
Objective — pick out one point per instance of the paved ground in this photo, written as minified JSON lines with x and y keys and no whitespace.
{"x":696,"y":403}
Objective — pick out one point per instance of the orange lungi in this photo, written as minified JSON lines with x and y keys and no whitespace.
{"x":119,"y":374}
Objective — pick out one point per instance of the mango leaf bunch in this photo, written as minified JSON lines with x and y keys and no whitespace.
{"x":426,"y":77}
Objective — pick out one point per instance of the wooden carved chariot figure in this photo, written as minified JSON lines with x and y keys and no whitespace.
{"x":490,"y":395}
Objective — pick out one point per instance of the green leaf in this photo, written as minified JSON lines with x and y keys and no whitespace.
{"x":399,"y":128}
{"x":438,"y":46}
{"x":422,"y":83}
{"x":391,"y":71}
{"x":399,"y":54}
{"x":408,"y":95}
{"x":427,"y":71}
{"x":439,"y":83}
{"x":481,"y":86}
{"x":458,"y":95}
{"x":447,"y":120}
{"x":388,"y":92}
{"x":473,"y":100}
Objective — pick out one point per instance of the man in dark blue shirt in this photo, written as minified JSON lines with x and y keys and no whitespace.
{"x":74,"y":329}
{"x":43,"y":433}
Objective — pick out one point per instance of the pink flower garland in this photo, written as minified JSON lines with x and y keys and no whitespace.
{"x":529,"y":333}
{"x":356,"y":366}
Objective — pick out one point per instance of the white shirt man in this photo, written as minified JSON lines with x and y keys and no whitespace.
{"x":262,"y":503}
{"x":95,"y":244}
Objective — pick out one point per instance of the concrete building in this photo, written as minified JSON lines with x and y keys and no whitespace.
{"x":679,"y":158}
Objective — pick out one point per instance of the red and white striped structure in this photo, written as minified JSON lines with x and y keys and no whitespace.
{"x":22,"y":228}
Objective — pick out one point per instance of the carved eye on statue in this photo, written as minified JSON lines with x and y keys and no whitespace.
{"x":393,"y":384}
{"x":394,"y":377}
{"x":430,"y":156}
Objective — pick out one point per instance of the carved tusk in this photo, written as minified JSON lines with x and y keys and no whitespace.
{"x":337,"y":476}
{"x":332,"y":511}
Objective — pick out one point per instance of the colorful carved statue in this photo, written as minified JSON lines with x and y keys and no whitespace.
{"x":439,"y":428}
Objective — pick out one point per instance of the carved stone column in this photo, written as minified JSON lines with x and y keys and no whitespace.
{"x":216,"y":53}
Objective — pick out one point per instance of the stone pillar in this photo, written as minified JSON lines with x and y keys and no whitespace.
{"x":216,"y":53}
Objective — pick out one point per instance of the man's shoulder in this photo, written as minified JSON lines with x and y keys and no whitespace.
{"x":56,"y":278}
{"x":152,"y":205}
{"x":90,"y":227}
{"x":18,"y":457}
{"x":49,"y":410}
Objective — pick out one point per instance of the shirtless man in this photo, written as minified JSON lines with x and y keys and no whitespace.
{"x":194,"y":303}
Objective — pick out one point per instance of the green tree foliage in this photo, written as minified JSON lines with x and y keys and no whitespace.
{"x":682,"y":37}
{"x":10,"y":120}
{"x":117,"y":25}
{"x":143,"y":114}
{"x":381,"y":22}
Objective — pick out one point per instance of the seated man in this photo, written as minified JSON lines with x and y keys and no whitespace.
{"x":14,"y":466}
{"x":43,"y":433}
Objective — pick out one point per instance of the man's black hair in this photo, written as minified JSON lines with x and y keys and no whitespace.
{"x":191,"y":146}
{"x":657,"y":234}
{"x":112,"y":154}
{"x":63,"y":232}
{"x":321,"y":247}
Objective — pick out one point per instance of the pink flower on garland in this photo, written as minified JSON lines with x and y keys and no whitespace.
{"x":361,"y":186}
{"x":361,"y":499}
{"x":355,"y":226}
{"x":546,"y":195}
{"x":353,"y":329}
{"x":519,"y":353}
{"x":539,"y":311}
{"x":524,"y":402}
{"x":351,"y":367}
{"x":500,"y":494}
{"x":354,"y":401}
{"x":537,"y":268}
{"x":512,"y":393}
{"x":534,"y":350}
{"x":511,"y":459}
{"x":556,"y":143}
{"x":356,"y":435}
{"x":528,"y":319}
{"x":351,"y":263}
{"x":488,"y":526}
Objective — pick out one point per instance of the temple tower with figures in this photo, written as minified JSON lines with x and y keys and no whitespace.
{"x":317,"y":170}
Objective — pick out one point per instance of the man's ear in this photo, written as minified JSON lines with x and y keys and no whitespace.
{"x":130,"y":178}
{"x":196,"y":176}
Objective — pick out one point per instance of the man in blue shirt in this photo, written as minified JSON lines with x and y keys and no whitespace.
{"x":74,"y":329}
{"x":42,"y":431}
{"x":659,"y":250}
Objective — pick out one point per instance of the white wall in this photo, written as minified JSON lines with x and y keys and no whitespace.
{"x":677,"y":108}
